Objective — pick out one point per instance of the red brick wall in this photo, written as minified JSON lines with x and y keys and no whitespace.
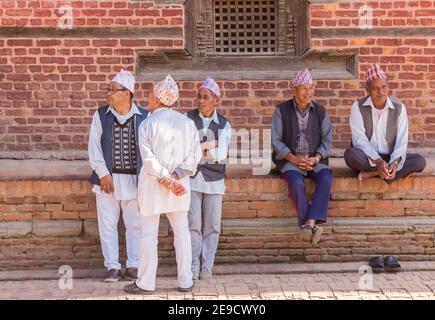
{"x":49,"y":88}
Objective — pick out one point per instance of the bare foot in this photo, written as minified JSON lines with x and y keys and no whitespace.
{"x":366,"y":174}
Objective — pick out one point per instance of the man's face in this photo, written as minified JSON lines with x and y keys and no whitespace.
{"x":117,"y":94}
{"x":304,"y":93}
{"x":206,"y":101}
{"x":378,"y":91}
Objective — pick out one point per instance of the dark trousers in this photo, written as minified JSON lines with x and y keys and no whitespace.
{"x":318,"y":210}
{"x":357,"y":160}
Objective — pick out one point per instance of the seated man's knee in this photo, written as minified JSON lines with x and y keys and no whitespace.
{"x":350,"y":155}
{"x":326,"y":179}
{"x":296,"y":183}
{"x":420,"y":163}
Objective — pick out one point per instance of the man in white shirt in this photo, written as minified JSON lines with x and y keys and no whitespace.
{"x":208,"y":185}
{"x":113,"y":155}
{"x":170,"y":151}
{"x":379,"y":127}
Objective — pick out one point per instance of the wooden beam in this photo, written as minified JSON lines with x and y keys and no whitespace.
{"x":328,"y":33}
{"x":138,"y":33}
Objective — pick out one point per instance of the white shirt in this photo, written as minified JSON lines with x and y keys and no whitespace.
{"x":220,"y":153}
{"x":125,"y":185}
{"x":378,"y":143}
{"x":167,"y":141}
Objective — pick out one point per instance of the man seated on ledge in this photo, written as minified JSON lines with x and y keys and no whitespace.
{"x":301,"y":139}
{"x":379,"y":127}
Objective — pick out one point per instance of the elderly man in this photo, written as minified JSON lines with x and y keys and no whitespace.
{"x":301,"y":139}
{"x":379,"y":127}
{"x":208,"y":185}
{"x":170,"y":151}
{"x":114,"y":157}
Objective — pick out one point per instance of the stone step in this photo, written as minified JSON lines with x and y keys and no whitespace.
{"x":48,"y":218}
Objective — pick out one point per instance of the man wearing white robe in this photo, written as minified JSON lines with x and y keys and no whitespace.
{"x":170,"y":152}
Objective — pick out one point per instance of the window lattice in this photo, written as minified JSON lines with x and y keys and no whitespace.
{"x":245,"y":27}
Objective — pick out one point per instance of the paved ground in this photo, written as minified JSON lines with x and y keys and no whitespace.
{"x":280,"y":282}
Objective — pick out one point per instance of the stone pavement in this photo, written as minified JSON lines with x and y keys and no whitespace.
{"x":234,"y":282}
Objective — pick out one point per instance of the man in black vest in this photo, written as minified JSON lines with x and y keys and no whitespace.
{"x":301,"y":139}
{"x":115,"y":160}
{"x":207,"y":185}
{"x":379,"y":127}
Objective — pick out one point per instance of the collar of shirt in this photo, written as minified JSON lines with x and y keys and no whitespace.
{"x":311,"y":105}
{"x":133,"y":110}
{"x":160,"y":109}
{"x":214,"y":117}
{"x":369,"y":102}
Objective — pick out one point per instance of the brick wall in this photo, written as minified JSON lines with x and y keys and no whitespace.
{"x":50,"y":86}
{"x":51,"y":223}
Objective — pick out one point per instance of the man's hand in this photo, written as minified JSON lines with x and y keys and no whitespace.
{"x":208,"y":145}
{"x":293,"y":159}
{"x":309,"y":163}
{"x":178,"y":189}
{"x":106,"y":184}
{"x":303,"y":163}
{"x":171,"y":182}
{"x":382,"y":168}
{"x":392,"y":170}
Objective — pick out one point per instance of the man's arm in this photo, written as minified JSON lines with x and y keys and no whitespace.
{"x":188,"y":167}
{"x":326,"y":138}
{"x":220,"y":152}
{"x":149,"y":161}
{"x":399,"y":152}
{"x":95,"y":151}
{"x":359,"y":137}
{"x":278,"y":145}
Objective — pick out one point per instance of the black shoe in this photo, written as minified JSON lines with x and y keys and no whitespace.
{"x":377,"y":264}
{"x":391,"y":264}
{"x":186,"y":289}
{"x":130,"y":274}
{"x":112,"y":275}
{"x":134,"y":289}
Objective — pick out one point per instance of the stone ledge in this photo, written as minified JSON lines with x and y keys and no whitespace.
{"x":279,"y":226}
{"x":36,"y":169}
{"x":53,"y":228}
{"x":219,"y":269}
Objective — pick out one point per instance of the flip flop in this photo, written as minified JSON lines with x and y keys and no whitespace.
{"x":306,"y":232}
{"x":391,"y":264}
{"x":377,"y":264}
{"x":317,"y":233}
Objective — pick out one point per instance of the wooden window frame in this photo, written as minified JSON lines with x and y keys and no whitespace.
{"x":198,"y":58}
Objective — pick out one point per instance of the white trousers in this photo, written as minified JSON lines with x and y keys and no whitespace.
{"x":108,"y":211}
{"x":148,"y":250}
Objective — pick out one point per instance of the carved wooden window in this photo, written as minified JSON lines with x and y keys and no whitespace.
{"x":258,"y":38}
{"x":245,"y":27}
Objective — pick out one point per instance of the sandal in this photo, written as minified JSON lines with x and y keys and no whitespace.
{"x":317,"y":232}
{"x":391,"y":264}
{"x":377,"y":264}
{"x":306,"y":232}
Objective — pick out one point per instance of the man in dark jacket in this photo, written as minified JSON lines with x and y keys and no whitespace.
{"x":301,"y":139}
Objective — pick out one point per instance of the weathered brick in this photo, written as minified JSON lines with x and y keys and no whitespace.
{"x":15,"y":229}
{"x":57,"y":228}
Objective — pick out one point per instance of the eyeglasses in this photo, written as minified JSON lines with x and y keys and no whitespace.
{"x":112,"y":91}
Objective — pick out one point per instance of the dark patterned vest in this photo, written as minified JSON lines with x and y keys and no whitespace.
{"x":108,"y":124}
{"x":124,"y":147}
